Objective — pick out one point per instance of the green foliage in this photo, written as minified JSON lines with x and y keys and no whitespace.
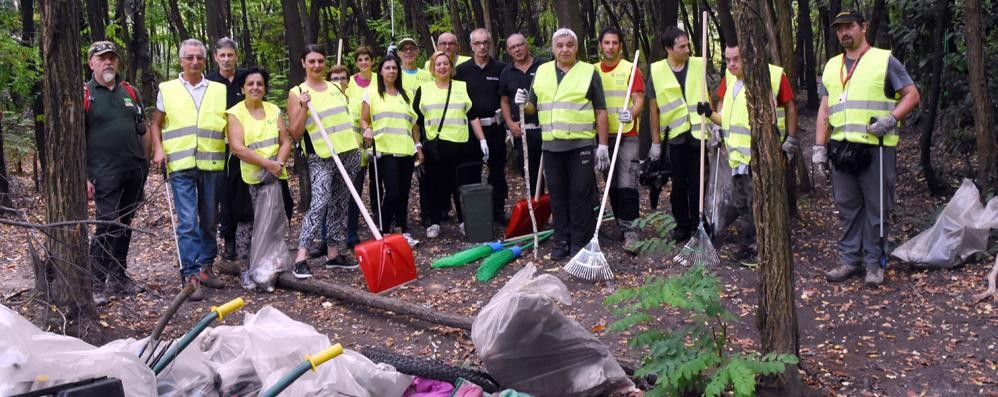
{"x":693,"y":357}
{"x":661,"y":224}
{"x":18,"y":63}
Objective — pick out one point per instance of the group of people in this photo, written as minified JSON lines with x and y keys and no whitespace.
{"x":220,"y":140}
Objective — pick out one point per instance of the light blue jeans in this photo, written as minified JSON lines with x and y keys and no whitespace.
{"x":195,"y":197}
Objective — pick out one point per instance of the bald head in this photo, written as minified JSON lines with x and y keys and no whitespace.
{"x":518,"y":48}
{"x":447,"y":42}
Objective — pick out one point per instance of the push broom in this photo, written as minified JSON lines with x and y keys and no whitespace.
{"x":480,"y":251}
{"x":699,"y":249}
{"x":495,"y":262}
{"x":590,"y":263}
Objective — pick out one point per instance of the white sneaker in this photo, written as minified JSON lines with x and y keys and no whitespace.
{"x":433,"y":231}
{"x":409,"y":239}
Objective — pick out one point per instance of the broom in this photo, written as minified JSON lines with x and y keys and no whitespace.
{"x":590,"y":263}
{"x":495,"y":262}
{"x":482,"y":250}
{"x":699,"y":249}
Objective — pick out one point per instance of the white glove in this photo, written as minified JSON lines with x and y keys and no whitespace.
{"x":625,"y":116}
{"x":882,"y":125}
{"x":602,"y":157}
{"x":791,"y":144}
{"x":521,"y":97}
{"x":655,"y":152}
{"x":485,"y":150}
{"x":819,"y":158}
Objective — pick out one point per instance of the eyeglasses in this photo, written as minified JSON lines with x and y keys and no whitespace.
{"x":446,"y":43}
{"x":191,"y":58}
{"x":515,"y":46}
{"x":480,"y":43}
{"x":409,"y":48}
{"x":337,"y":78}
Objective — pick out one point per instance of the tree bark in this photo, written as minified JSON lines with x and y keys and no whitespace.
{"x":97,"y":19}
{"x":727,"y":22}
{"x":176,"y":20}
{"x":455,"y":18}
{"x":217,"y":18}
{"x":987,"y":144}
{"x":361,"y":21}
{"x":663,"y":13}
{"x":125,"y":58}
{"x":141,"y":57}
{"x":832,"y":46}
{"x":248,"y":58}
{"x":67,"y":271}
{"x":419,"y":24}
{"x":311,"y":18}
{"x":928,"y":123}
{"x":4,"y":182}
{"x":805,"y":40}
{"x":294,"y":40}
{"x":875,"y":22}
{"x":784,"y":22}
{"x":569,"y":16}
{"x":37,"y":104}
{"x":776,"y":317}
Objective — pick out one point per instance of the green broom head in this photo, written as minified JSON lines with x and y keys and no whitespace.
{"x":467,"y":256}
{"x":495,"y":262}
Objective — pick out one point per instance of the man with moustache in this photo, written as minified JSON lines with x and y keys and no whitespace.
{"x":865,"y":92}
{"x":515,"y":76}
{"x":117,"y":144}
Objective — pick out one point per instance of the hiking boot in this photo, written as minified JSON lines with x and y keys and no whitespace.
{"x":301,"y":270}
{"x":559,"y":252}
{"x":198,"y":294}
{"x":631,"y":241}
{"x":874,"y":276}
{"x":843,"y":273}
{"x":209,"y":279}
{"x":246,"y":282}
{"x":229,"y":252}
{"x":409,"y":239}
{"x":123,"y":285}
{"x":433,"y":231}
{"x":341,"y":262}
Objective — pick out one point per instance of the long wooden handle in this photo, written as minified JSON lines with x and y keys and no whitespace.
{"x":339,"y":52}
{"x":703,"y":121}
{"x":616,"y":145}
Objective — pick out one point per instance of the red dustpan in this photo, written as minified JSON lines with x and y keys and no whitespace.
{"x":519,"y":220}
{"x":387,"y":261}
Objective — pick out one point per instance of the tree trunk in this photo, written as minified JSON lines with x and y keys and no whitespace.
{"x":534,"y":26}
{"x":125,"y":58}
{"x":294,"y":40}
{"x":69,"y":287}
{"x":217,"y":18}
{"x":455,"y":18}
{"x":505,"y":13}
{"x":4,"y":182}
{"x":776,"y":317}
{"x":37,"y":104}
{"x":987,"y":145}
{"x":569,"y":16}
{"x":360,"y":18}
{"x":248,"y":58}
{"x":875,"y":22}
{"x":805,"y":38}
{"x":141,"y":57}
{"x":419,"y":24}
{"x":928,"y":123}
{"x":727,"y":22}
{"x":832,"y":46}
{"x":311,"y":18}
{"x":663,"y":13}
{"x":97,"y":19}
{"x":176,"y":20}
{"x":784,"y":18}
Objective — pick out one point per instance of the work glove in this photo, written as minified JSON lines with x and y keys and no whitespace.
{"x":703,"y":109}
{"x":819,"y":158}
{"x":485,"y":150}
{"x":521,"y":97}
{"x":625,"y":116}
{"x":791,"y":145}
{"x":655,"y":152}
{"x":880,"y":125}
{"x":602,"y":157}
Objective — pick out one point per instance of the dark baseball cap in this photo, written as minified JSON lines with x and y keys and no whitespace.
{"x":848,"y":17}
{"x":100,"y":47}
{"x":408,"y":40}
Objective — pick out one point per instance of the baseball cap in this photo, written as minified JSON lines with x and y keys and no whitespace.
{"x":848,"y":17}
{"x":100,"y":47}
{"x":408,"y":40}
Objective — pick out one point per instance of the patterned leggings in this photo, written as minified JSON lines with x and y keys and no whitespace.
{"x":330,"y":196}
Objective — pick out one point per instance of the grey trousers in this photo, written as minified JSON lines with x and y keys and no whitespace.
{"x":741,"y":195}
{"x":858,"y":200}
{"x":624,"y":196}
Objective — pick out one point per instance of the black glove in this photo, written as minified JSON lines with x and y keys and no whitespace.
{"x":703,"y":109}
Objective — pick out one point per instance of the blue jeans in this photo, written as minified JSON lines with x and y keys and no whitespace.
{"x":195,"y":196}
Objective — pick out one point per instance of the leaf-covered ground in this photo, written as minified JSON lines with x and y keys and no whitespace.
{"x":917,"y":335}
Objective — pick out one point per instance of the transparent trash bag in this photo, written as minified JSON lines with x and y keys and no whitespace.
{"x":269,"y":252}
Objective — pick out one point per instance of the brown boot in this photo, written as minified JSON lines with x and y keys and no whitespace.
{"x":198,"y":294}
{"x":209,"y":279}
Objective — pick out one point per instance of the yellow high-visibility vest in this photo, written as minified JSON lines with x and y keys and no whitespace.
{"x":675,"y":111}
{"x":735,"y":118}
{"x":193,"y":136}
{"x":432,"y":102}
{"x":392,"y":119}
{"x":850,"y":114}
{"x":410,"y":82}
{"x":331,"y":105}
{"x":563,"y":110}
{"x":355,"y":95}
{"x":615,"y":91}
{"x":261,"y":136}
{"x":460,"y":59}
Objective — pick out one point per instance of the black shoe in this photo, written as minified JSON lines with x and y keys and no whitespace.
{"x":559,"y":252}
{"x":229,"y":252}
{"x":680,"y":235}
{"x":501,"y":218}
{"x":341,"y":262}
{"x":301,"y":270}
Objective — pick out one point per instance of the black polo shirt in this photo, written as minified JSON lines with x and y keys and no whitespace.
{"x":512,"y":79}
{"x":483,"y":86}
{"x":233,"y":89}
{"x":114,"y":145}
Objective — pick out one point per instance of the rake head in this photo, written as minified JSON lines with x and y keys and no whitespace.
{"x":589,"y":264}
{"x":698,"y":250}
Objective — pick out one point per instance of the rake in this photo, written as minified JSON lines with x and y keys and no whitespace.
{"x":590,"y":263}
{"x":699,"y":249}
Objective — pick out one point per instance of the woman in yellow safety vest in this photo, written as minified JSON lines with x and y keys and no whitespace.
{"x":360,"y":81}
{"x":258,"y":135}
{"x":330,"y":196}
{"x":442,"y":106}
{"x":389,"y":125}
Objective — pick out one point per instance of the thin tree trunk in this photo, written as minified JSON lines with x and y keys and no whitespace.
{"x":419,"y":24}
{"x":217,"y":20}
{"x":294,"y":40}
{"x":69,"y":287}
{"x":38,"y":104}
{"x":805,"y":37}
{"x":570,"y":16}
{"x":832,"y":46}
{"x":727,"y":22}
{"x":141,"y":59}
{"x":776,"y":317}
{"x":97,"y":19}
{"x":784,"y":18}
{"x":121,"y":18}
{"x":987,"y":145}
{"x":533,"y":25}
{"x":249,"y":58}
{"x":928,"y":123}
{"x":4,"y":181}
{"x":875,"y":22}
{"x":360,"y":18}
{"x":176,"y":20}
{"x":455,"y":18}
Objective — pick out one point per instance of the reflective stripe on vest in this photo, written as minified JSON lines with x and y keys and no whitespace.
{"x":735,"y":117}
{"x":432,"y":102}
{"x":261,"y":136}
{"x":193,"y":136}
{"x":615,"y":91}
{"x":332,"y":109}
{"x":392,"y":119}
{"x":673,"y":111}
{"x":864,"y":98}
{"x":563,"y":110}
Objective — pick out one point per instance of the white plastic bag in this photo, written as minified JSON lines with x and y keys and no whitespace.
{"x":529,"y":345}
{"x":269,"y":252}
{"x":961,"y":230}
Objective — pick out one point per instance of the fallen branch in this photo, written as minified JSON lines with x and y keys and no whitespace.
{"x":364,"y":298}
{"x":992,"y":291}
{"x":54,"y":225}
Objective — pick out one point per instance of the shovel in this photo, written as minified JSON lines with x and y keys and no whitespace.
{"x":386,"y":261}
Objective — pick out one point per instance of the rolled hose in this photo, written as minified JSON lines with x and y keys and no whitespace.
{"x":309,"y":364}
{"x":216,"y":313}
{"x":431,"y":369}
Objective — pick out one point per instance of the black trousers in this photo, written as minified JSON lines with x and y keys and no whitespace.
{"x":684,"y":158}
{"x":395,"y":180}
{"x":534,"y":152}
{"x":455,"y":166}
{"x":116,"y":197}
{"x":495,"y":136}
{"x":572,"y":184}
{"x":235,"y":205}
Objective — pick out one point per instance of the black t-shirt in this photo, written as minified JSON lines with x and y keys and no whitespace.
{"x":483,"y":86}
{"x":114,"y":145}
{"x":233,"y":89}
{"x":512,"y":79}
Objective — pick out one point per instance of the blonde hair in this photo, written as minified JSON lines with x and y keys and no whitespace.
{"x":433,"y":61}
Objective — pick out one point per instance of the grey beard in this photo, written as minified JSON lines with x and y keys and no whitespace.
{"x":107,"y":77}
